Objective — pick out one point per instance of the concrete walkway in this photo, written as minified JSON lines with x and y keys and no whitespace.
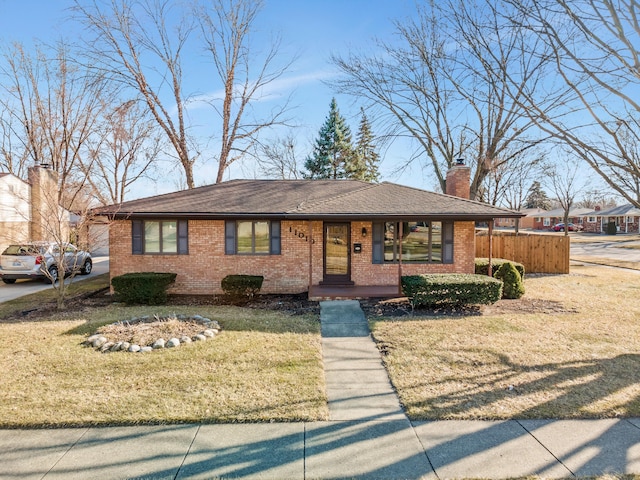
{"x":368,"y":437}
{"x":358,"y":387}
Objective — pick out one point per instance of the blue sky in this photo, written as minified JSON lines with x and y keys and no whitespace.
{"x":311,"y":29}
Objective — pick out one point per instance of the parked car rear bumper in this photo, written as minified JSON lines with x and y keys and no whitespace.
{"x":8,"y":275}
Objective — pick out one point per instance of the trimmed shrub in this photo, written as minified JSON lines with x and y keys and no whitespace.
{"x":149,"y":288}
{"x":451,"y":289}
{"x":512,"y":281}
{"x":482,"y":266}
{"x":241,"y":286}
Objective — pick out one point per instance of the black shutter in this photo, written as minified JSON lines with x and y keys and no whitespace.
{"x":183,"y":237}
{"x":136,"y":237}
{"x":230,"y":237}
{"x":274,"y":238}
{"x":377,"y":236}
{"x":447,"y":242}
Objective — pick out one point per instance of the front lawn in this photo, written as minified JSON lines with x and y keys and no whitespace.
{"x":574,"y":353}
{"x":263,"y":366}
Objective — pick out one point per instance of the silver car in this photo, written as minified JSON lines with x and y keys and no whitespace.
{"x":41,"y":260}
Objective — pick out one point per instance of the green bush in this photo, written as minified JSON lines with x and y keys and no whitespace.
{"x":512,"y":281}
{"x":482,"y":266}
{"x":451,"y":289}
{"x":242,"y":286}
{"x":148,"y":288}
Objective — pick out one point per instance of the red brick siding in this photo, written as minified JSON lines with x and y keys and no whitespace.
{"x":203,"y":269}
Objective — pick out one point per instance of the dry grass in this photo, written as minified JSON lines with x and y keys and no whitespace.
{"x":264,"y":366}
{"x":37,"y":299}
{"x":584,"y":363}
{"x":607,"y":261}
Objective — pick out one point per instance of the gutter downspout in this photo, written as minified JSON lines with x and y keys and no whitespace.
{"x":310,"y":254}
{"x":400,"y":258}
{"x":490,"y":272}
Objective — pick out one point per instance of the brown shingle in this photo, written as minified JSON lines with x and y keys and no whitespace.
{"x":306,"y":199}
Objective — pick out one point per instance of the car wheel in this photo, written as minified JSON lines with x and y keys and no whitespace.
{"x":86,"y":268}
{"x":53,"y":275}
{"x":9,"y":280}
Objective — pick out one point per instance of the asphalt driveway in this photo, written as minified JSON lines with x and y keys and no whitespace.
{"x":607,"y":249}
{"x":25,"y":287}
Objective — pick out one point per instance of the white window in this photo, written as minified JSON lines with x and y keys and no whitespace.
{"x":546,"y":222}
{"x":591,"y":220}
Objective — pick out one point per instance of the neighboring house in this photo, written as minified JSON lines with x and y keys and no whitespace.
{"x":330,"y":238}
{"x":532,"y":219}
{"x":92,"y":233}
{"x":626,"y":218}
{"x":553,"y":217}
{"x":29,"y":210}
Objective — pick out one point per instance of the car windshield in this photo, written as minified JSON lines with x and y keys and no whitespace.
{"x":23,"y":250}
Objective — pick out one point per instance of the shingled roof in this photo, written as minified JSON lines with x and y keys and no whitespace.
{"x":306,"y":199}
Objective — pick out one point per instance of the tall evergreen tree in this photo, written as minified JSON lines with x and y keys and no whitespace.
{"x":333,"y":153}
{"x":365,"y":165}
{"x":537,"y":197}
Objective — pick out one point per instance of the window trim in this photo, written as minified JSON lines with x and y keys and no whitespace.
{"x":138,"y":237}
{"x":231,"y":237}
{"x":447,"y":243}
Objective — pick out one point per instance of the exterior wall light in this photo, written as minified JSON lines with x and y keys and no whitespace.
{"x":364,"y":231}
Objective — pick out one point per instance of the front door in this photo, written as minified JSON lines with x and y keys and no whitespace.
{"x":337,"y":253}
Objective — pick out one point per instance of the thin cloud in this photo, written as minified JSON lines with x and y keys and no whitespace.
{"x":278,"y":88}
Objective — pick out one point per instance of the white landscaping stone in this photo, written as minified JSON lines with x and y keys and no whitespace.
{"x":100,"y":342}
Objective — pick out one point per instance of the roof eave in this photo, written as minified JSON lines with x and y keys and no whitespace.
{"x":314,"y":216}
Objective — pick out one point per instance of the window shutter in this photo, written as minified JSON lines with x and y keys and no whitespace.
{"x":136,"y":237}
{"x":230,"y":237}
{"x":447,"y":242}
{"x":377,"y":236}
{"x":274,"y":237}
{"x":183,"y":237}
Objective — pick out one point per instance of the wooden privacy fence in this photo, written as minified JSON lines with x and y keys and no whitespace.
{"x":538,"y":253}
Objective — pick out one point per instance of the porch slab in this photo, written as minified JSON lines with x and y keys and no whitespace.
{"x":355,"y":292}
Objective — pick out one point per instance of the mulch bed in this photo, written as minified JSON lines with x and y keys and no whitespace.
{"x":299,"y":304}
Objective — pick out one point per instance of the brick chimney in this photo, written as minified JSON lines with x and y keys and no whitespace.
{"x":45,"y":210}
{"x":458,"y":180}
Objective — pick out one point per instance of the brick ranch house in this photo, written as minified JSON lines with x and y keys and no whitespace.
{"x":626,"y":218}
{"x":331,"y":238}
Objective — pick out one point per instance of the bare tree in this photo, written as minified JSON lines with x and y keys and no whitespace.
{"x":279,"y":158}
{"x":565,"y":183}
{"x":454,"y":86}
{"x":13,"y":157}
{"x":52,"y":108}
{"x":226,"y":27}
{"x":126,"y":149}
{"x":136,"y":43}
{"x":595,"y":46}
{"x":508,"y":184}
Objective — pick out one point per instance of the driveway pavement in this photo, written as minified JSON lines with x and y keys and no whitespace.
{"x":25,"y":287}
{"x":606,"y":249}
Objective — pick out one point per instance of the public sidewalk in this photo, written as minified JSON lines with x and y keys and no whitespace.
{"x":368,"y":437}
